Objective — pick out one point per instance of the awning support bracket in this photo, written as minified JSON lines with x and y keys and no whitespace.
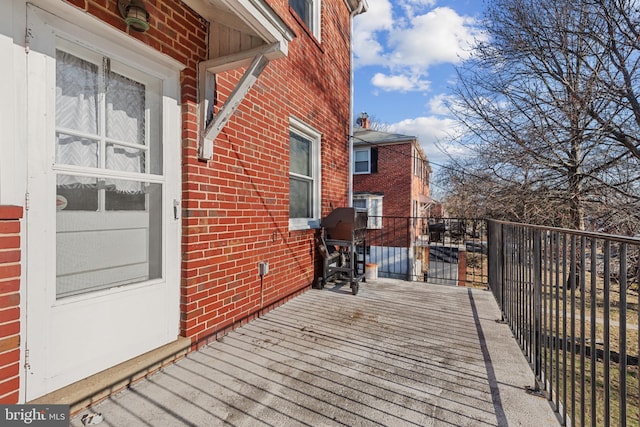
{"x":207,"y":86}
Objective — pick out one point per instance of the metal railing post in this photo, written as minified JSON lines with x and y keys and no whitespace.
{"x":537,"y":306}
{"x":592,"y":336}
{"x":607,"y":344}
{"x":622,"y":340}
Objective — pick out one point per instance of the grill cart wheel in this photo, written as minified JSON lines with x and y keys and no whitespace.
{"x":354,"y":288}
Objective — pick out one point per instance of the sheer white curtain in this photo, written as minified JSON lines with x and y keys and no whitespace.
{"x":109,"y":224}
{"x":77,"y":93}
{"x":125,"y":116}
{"x":98,"y":111}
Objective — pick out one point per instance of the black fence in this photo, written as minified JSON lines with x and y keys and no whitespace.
{"x":571,"y":300}
{"x":450,"y":251}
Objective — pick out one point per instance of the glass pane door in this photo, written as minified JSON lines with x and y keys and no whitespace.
{"x":109,"y":183}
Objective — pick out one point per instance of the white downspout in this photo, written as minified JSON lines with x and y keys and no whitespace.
{"x":351,"y":116}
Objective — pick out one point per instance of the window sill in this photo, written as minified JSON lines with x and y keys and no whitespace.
{"x":299,"y":224}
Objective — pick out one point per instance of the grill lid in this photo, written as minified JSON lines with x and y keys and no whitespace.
{"x":342,"y":222}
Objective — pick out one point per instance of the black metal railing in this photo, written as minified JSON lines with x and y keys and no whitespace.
{"x":571,"y":300}
{"x":449,"y":251}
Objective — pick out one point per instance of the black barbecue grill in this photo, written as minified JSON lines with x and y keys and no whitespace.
{"x":342,"y":245}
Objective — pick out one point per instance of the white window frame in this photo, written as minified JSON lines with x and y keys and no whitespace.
{"x":374,"y":212}
{"x":362,"y":150}
{"x":313,"y":23}
{"x":299,"y":127}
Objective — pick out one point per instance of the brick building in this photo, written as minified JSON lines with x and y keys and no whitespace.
{"x":391,"y":176}
{"x":391,"y":169}
{"x":156,"y":156}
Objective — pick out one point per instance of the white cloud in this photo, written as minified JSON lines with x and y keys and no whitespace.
{"x":399,"y":83}
{"x":377,"y":18}
{"x":439,"y":104}
{"x":367,"y":28}
{"x":434,"y":134}
{"x":413,"y":7}
{"x":409,"y":43}
{"x":367,"y":49}
{"x":440,"y":36}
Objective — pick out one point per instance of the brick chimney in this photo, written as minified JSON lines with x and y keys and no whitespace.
{"x":363,"y":120}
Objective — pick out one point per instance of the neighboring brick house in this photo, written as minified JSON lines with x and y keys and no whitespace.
{"x":391,"y":176}
{"x":146,"y":175}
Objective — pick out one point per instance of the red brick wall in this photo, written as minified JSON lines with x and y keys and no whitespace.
{"x":9,"y":303}
{"x":401,"y":188}
{"x":395,"y":171}
{"x":236,"y":206}
{"x":395,"y":178}
{"x":419,"y":185}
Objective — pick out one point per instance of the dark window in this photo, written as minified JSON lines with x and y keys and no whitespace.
{"x":304,"y":9}
{"x":374,"y":160}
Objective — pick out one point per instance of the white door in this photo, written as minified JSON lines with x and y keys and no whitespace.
{"x":102,"y":283}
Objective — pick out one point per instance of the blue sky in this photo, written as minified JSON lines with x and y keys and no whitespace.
{"x":405,"y":53}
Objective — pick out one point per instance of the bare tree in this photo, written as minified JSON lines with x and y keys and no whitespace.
{"x":553,"y":140}
{"x":485,"y":189}
{"x":620,"y":78}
